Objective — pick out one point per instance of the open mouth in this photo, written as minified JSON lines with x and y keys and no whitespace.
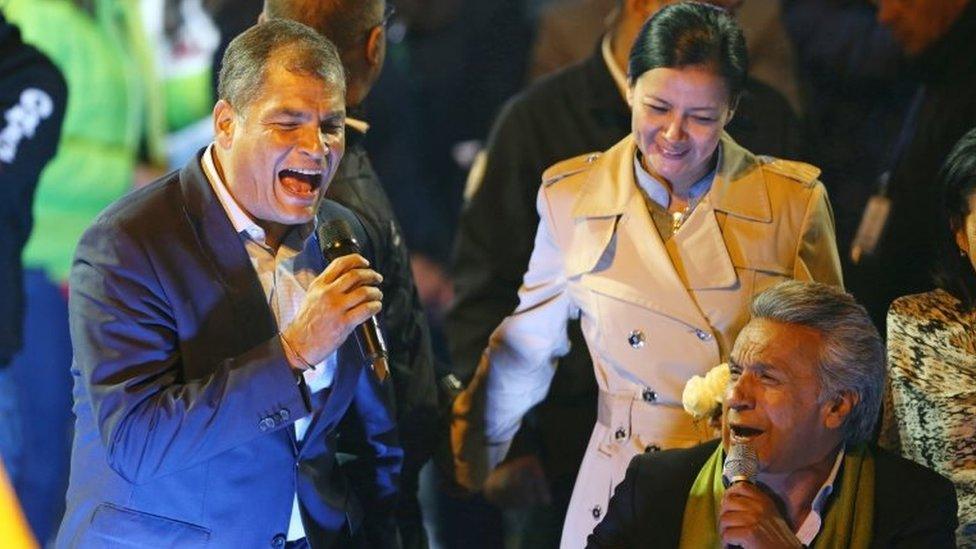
{"x":744,"y":433}
{"x":300,"y":182}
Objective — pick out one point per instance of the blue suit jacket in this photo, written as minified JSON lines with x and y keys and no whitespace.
{"x":185,"y":401}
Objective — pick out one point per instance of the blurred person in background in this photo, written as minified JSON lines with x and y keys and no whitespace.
{"x":937,"y":37}
{"x":358,"y":29}
{"x":566,"y":29}
{"x":111,"y":139}
{"x":450,"y":64}
{"x":856,"y":93}
{"x":32,"y":102}
{"x":656,"y":246}
{"x":580,"y":109}
{"x":931,"y":392}
{"x":182,"y":38}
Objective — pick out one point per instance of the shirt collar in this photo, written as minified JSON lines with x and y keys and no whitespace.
{"x":811,"y":525}
{"x":619,"y":78}
{"x":242,"y":222}
{"x":658,"y":192}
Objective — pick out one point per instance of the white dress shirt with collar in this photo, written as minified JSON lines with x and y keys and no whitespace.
{"x":285,"y":275}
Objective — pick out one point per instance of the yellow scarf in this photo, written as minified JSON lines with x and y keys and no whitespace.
{"x":849,"y":517}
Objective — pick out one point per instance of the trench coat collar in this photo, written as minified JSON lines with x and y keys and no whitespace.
{"x":739,"y":187}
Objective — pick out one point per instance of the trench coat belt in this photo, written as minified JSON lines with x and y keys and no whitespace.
{"x":667,"y":424}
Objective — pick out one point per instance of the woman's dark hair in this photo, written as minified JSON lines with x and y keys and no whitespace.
{"x":692,"y":33}
{"x":955,"y":272}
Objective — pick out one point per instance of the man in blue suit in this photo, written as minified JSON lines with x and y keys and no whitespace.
{"x":213,"y":375}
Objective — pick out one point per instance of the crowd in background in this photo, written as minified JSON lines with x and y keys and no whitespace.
{"x":464,"y":118}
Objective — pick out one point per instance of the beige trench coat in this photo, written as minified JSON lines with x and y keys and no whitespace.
{"x":651,"y":323}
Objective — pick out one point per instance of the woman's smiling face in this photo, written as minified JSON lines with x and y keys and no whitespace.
{"x":677,"y":116}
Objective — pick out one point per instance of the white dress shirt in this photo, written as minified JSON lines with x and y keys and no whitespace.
{"x":285,"y":275}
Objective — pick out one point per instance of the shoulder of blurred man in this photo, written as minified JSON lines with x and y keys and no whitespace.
{"x":356,"y":186}
{"x":765,"y":123}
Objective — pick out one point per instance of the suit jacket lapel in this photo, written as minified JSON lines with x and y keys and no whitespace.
{"x":222,"y":245}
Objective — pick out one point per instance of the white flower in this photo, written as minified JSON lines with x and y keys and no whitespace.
{"x":703,"y":394}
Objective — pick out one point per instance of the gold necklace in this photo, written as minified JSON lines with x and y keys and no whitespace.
{"x":678,"y":218}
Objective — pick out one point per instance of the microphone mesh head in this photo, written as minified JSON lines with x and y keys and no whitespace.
{"x":742,"y":464}
{"x":336,"y":230}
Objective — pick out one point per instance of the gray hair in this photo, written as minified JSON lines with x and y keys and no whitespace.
{"x":852,"y":356}
{"x":295,"y":46}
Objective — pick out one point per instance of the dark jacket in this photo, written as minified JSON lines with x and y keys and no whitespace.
{"x":32,"y":100}
{"x":357,"y":187}
{"x":184,"y":398}
{"x":571,"y":112}
{"x":908,"y":251}
{"x":914,"y":507}
{"x":852,"y":73}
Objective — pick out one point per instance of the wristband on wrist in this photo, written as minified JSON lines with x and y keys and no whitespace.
{"x":289,"y":349}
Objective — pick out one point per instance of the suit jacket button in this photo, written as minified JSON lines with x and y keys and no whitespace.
{"x":621,"y":433}
{"x":649,"y":395}
{"x":283,"y":415}
{"x":636,"y":339}
{"x":266,"y":424}
{"x":278,"y":541}
{"x":703,"y":335}
{"x":597,"y":511}
{"x":652,"y":448}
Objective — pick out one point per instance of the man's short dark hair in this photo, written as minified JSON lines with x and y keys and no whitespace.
{"x":852,"y":355}
{"x":344,"y":22}
{"x":297,"y":47}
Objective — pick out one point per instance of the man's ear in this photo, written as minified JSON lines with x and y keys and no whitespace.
{"x":837,"y":409}
{"x":224,"y":120}
{"x":375,"y":43}
{"x":630,"y":96}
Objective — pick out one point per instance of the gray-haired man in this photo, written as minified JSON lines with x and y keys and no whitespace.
{"x":805,"y":390}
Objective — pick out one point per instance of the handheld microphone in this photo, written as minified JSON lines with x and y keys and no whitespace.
{"x":336,"y":239}
{"x":741,"y":465}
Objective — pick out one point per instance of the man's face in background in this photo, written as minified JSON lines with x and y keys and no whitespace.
{"x":917,"y":24}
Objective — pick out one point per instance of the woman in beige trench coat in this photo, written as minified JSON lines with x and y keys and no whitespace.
{"x":657,"y":245}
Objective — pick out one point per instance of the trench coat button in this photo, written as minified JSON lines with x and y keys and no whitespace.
{"x":636,"y":339}
{"x":649,"y":395}
{"x":283,"y":415}
{"x":278,"y":541}
{"x":651,"y":448}
{"x":703,"y":335}
{"x":597,"y":511}
{"x":621,"y":433}
{"x":266,"y":424}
